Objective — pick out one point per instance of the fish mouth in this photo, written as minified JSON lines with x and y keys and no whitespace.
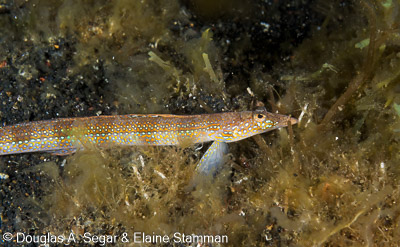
{"x":281,"y":120}
{"x":285,"y":121}
{"x":292,"y":120}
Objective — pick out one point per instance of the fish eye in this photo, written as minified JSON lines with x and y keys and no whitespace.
{"x":259,"y":117}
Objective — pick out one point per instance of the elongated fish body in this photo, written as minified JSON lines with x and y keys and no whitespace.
{"x":65,"y":135}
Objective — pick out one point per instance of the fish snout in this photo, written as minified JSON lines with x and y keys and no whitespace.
{"x":292,"y":120}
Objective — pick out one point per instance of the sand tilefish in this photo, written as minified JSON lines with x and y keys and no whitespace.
{"x":65,"y":135}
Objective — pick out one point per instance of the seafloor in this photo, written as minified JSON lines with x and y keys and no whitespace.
{"x":331,"y":180}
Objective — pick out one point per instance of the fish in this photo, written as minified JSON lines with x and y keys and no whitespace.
{"x":64,"y":136}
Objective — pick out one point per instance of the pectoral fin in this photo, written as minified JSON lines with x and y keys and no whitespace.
{"x":212,"y":158}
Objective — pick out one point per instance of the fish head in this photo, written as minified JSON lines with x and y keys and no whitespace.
{"x":245,"y":124}
{"x":264,"y":121}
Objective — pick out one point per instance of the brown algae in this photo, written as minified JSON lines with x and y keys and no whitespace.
{"x":332,"y":182}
